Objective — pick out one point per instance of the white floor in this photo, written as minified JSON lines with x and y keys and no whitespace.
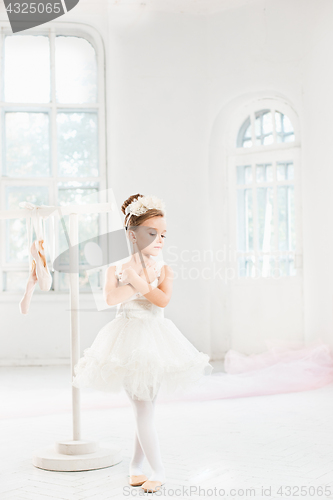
{"x":280,"y":443}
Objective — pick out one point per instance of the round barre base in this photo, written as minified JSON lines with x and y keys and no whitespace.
{"x":73,"y":456}
{"x":79,"y":447}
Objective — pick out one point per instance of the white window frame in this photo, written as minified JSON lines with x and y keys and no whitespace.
{"x":93,"y":37}
{"x":270,"y":153}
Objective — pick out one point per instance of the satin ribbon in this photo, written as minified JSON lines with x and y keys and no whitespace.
{"x":130,"y":213}
{"x":37,"y":221}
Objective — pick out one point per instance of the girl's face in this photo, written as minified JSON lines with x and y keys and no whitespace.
{"x":150,"y":235}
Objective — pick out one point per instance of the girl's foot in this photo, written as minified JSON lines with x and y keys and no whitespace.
{"x":137,"y":480}
{"x":157,"y":475}
{"x":152,"y":486}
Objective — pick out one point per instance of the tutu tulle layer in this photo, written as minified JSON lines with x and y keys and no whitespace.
{"x":141,"y":354}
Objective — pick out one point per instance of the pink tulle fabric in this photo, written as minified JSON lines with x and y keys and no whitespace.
{"x":284,"y":367}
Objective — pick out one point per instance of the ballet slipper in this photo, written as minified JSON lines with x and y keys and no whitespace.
{"x":151,"y":486}
{"x":29,"y":290}
{"x":43,"y":274}
{"x":137,"y":480}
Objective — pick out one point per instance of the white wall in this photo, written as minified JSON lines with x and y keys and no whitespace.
{"x":158,"y":139}
{"x":173,"y":81}
{"x":318,"y":179}
{"x":275,"y":49}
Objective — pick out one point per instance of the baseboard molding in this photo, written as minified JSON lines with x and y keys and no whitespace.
{"x":35,"y":362}
{"x":216,"y":363}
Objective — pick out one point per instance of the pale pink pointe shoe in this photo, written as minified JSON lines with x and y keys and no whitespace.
{"x":137,"y":480}
{"x":43,"y":273}
{"x":151,"y":486}
{"x":29,"y":290}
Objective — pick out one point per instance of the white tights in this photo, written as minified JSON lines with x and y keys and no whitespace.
{"x":146,"y":440}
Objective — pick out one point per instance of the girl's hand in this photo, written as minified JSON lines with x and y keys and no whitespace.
{"x":128,"y":274}
{"x":152,"y":274}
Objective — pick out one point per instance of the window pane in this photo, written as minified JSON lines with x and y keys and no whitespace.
{"x":286,"y":217}
{"x":287,"y":265}
{"x":245,"y":219}
{"x":284,"y":128}
{"x":284,"y":171}
{"x":265,"y":219}
{"x":84,"y":280}
{"x":77,"y":144}
{"x":263,"y":127}
{"x":246,"y":266}
{"x":285,"y":138}
{"x":260,"y":173}
{"x":290,"y":171}
{"x":268,"y":139}
{"x":264,"y":173}
{"x":16,"y":229}
{"x":244,"y":174}
{"x":27,"y":68}
{"x":269,"y":173}
{"x":76,"y":70}
{"x":27,"y":144}
{"x":75,"y":193}
{"x":289,"y":138}
{"x":266,"y":266}
{"x":15,"y":281}
{"x":257,"y":127}
{"x":244,"y":135}
{"x":287,"y":126}
{"x":247,"y":134}
{"x":292,"y":269}
{"x":278,"y":121}
{"x":281,"y":171}
{"x":267,"y":127}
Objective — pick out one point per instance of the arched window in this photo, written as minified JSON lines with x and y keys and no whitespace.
{"x":265,"y":176}
{"x":53,"y":132}
{"x":265,"y":129}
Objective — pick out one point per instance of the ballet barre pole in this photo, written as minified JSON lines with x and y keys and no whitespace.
{"x":76,"y":454}
{"x":74,"y":308}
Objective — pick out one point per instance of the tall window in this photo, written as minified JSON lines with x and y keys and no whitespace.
{"x":50,"y":127}
{"x":265,"y":176}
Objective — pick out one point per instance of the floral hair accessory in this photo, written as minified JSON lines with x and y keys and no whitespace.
{"x":143,"y":204}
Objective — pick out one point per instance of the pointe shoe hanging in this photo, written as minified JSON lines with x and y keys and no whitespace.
{"x":29,"y":290}
{"x":43,"y":273}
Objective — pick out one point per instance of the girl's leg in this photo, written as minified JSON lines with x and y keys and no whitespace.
{"x":147,"y":438}
{"x":137,"y":458}
{"x":138,"y":454}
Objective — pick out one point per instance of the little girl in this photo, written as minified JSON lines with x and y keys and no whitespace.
{"x":141,"y":350}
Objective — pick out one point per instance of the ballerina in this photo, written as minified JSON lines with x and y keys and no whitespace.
{"x":139,"y":349}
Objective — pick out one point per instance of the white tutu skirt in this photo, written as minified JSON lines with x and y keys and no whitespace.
{"x":142,"y":355}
